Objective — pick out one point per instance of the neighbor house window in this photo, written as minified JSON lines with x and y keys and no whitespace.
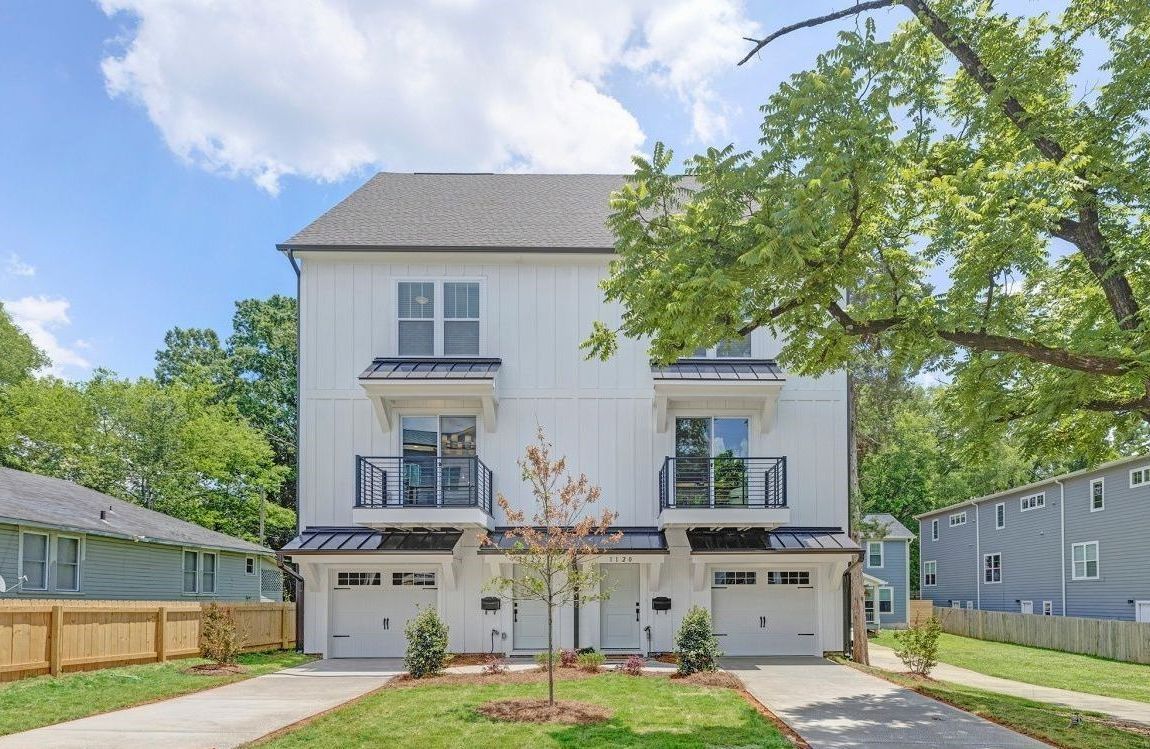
{"x":958,"y":518}
{"x":1085,"y":557}
{"x":929,"y":573}
{"x":1097,"y":494}
{"x":191,"y":572}
{"x":1140,"y":476}
{"x":992,"y":568}
{"x":208,"y":576}
{"x":1000,"y":515}
{"x":885,"y":600}
{"x":1048,"y":608}
{"x":1033,"y":501}
{"x":438,"y":318}
{"x":970,"y":605}
{"x":934,"y":530}
{"x":731,"y":348}
{"x":34,"y":560}
{"x":67,"y":564}
{"x":249,"y":565}
{"x":874,"y":553}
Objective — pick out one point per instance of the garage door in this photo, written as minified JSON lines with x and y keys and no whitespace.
{"x":759,"y":612}
{"x":369,"y":610}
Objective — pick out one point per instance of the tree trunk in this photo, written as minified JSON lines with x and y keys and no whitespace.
{"x":550,"y":657}
{"x":859,"y":652}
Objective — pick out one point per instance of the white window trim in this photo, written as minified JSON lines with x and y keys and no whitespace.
{"x":925,"y":584}
{"x":1100,"y":482}
{"x":1000,"y":519}
{"x":1000,"y":569}
{"x":55,"y":565}
{"x":1048,"y":608}
{"x":970,"y":605}
{"x":1097,"y":561}
{"x":255,"y":566}
{"x":1022,"y":605}
{"x":47,"y":561}
{"x":958,"y":518}
{"x":881,"y":554}
{"x":934,"y":529}
{"x":1145,"y":472}
{"x":878,"y":600}
{"x":437,"y":317}
{"x":1039,"y":505}
{"x":215,"y":573}
{"x":199,"y":569}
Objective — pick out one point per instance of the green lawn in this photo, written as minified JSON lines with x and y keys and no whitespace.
{"x":650,"y":712}
{"x":1051,"y":723}
{"x":1047,"y":668}
{"x":43,"y":700}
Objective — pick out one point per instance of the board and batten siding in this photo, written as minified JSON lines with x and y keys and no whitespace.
{"x":535,"y":311}
{"x":894,"y":571}
{"x":114,"y":569}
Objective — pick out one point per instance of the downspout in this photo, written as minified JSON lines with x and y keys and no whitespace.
{"x":977,"y":559}
{"x":1062,"y":538}
{"x":299,"y":595}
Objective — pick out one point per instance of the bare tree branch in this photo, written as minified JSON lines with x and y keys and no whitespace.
{"x":811,"y":22}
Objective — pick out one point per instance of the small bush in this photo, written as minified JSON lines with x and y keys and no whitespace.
{"x":918,"y":646}
{"x":541,"y":659}
{"x":695,"y":644}
{"x":220,"y":640}
{"x":494,"y":666}
{"x":591,"y":662}
{"x":568,"y":658}
{"x":426,"y":644}
{"x":633,"y":666}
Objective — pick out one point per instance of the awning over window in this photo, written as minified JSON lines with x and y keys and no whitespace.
{"x":366,"y":540}
{"x":734,"y":370}
{"x":690,"y":383}
{"x":634,"y":541}
{"x":406,"y":368}
{"x":779,"y":541}
{"x":469,"y":379}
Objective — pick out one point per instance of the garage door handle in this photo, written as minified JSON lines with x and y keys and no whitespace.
{"x":762,"y":622}
{"x":387,"y":623}
{"x":341,"y":635}
{"x":514,"y":612}
{"x":636,"y":611}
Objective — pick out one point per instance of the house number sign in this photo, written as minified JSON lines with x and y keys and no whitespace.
{"x":617,"y":559}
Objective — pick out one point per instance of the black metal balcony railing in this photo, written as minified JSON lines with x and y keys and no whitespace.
{"x":422,"y":482}
{"x":724,"y":481}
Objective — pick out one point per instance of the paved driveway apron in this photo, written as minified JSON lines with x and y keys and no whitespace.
{"x":833,"y":707}
{"x":227,"y":716}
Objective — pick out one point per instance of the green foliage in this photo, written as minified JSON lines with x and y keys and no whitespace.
{"x":426,"y":644}
{"x":895,"y":204}
{"x":633,"y":666}
{"x":220,"y":640}
{"x":20,"y":357}
{"x":918,"y":646}
{"x":591,"y":662}
{"x":696,"y":644}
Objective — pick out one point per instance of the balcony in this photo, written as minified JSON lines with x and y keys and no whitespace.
{"x":723,"y":491}
{"x":422,"y":491}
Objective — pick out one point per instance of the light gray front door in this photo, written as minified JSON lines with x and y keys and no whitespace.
{"x":619,"y":614}
{"x":529,"y":622}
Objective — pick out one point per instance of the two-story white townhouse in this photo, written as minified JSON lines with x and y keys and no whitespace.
{"x":440,"y":323}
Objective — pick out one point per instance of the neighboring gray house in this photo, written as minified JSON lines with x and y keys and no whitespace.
{"x":1073,"y":545}
{"x":62,"y":540}
{"x":886,"y":572}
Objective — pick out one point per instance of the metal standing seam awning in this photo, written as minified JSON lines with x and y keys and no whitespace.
{"x":782,"y":540}
{"x":367,"y":540}
{"x":390,"y":379}
{"x":634,"y":541}
{"x":687,"y":380}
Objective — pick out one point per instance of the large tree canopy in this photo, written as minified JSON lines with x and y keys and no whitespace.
{"x":951,"y":194}
{"x":19,"y":357}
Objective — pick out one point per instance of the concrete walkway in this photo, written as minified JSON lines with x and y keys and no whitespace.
{"x":227,"y":716}
{"x":1130,"y":710}
{"x":834,"y":707}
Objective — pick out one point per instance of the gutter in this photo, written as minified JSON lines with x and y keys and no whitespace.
{"x":1062,"y":538}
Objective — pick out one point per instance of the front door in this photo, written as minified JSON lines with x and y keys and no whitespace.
{"x":619,"y":613}
{"x":528,"y":621}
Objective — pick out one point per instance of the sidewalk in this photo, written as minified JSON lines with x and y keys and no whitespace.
{"x":1131,"y":710}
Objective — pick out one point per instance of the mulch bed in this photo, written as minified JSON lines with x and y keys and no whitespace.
{"x":710,"y":679}
{"x":531,"y":676}
{"x":540,"y":711}
{"x":215,"y":669}
{"x":471,"y":659}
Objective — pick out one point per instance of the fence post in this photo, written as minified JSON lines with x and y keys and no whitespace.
{"x":161,"y":634}
{"x":56,"y":647}
{"x":285,"y":641}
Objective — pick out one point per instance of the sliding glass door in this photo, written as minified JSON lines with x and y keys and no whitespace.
{"x":710,"y":461}
{"x":439,"y":460}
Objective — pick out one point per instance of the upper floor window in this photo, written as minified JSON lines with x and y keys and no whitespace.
{"x":731,"y":348}
{"x":992,"y":568}
{"x":958,"y":518}
{"x":1033,"y":501}
{"x":438,"y":318}
{"x":1140,"y":476}
{"x":874,"y":553}
{"x":934,"y":530}
{"x":1000,"y":515}
{"x":1097,"y":494}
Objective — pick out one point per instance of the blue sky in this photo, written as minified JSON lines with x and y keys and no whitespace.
{"x":153,"y":157}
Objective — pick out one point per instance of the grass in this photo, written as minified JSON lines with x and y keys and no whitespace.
{"x":1047,"y":668}
{"x":1050,"y":723}
{"x":44,"y":700}
{"x":650,"y":712}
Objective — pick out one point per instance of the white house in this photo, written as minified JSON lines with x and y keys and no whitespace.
{"x":440,"y":322}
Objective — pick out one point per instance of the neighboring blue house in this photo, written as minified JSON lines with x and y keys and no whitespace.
{"x":886,"y":573}
{"x":1073,"y":545}
{"x":62,"y":540}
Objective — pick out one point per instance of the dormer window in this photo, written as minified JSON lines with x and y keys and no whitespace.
{"x":438,"y":318}
{"x":731,"y":348}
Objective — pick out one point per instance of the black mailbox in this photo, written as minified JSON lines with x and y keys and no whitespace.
{"x":489,"y":603}
{"x":661,"y":603}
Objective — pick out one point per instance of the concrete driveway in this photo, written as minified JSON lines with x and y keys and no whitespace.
{"x":226,"y":716}
{"x":833,"y":706}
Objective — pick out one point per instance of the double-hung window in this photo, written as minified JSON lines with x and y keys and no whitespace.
{"x":1033,"y":501}
{"x":1000,"y":516}
{"x":929,"y":574}
{"x":874,"y":553}
{"x":1097,"y":494}
{"x":191,"y":572}
{"x":885,"y":600}
{"x":992,"y":568}
{"x":67,"y":564}
{"x":934,"y":530}
{"x":34,"y":560}
{"x":1085,"y":558}
{"x":208,"y":576}
{"x":438,"y":318}
{"x":731,"y":348}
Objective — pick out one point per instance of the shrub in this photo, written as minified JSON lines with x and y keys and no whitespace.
{"x":591,"y":662}
{"x":918,"y":646}
{"x":220,"y":639}
{"x":426,"y":644}
{"x":494,"y":666}
{"x":633,"y":666}
{"x":567,"y":658}
{"x":695,"y":644}
{"x":541,"y":659}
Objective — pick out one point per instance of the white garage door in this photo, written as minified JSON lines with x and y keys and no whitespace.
{"x":369,"y":610}
{"x":759,"y":612}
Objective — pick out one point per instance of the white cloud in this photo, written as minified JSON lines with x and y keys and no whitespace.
{"x":263,"y":89}
{"x":41,"y":318}
{"x":15,"y":266}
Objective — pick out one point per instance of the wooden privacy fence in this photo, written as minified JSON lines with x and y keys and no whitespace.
{"x":50,"y":637}
{"x":920,"y":611}
{"x":1106,"y":638}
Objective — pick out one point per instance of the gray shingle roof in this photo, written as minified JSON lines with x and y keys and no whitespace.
{"x":720,"y":369}
{"x":431,"y":369}
{"x":894,"y":529}
{"x":43,"y":501}
{"x":469,"y":211}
